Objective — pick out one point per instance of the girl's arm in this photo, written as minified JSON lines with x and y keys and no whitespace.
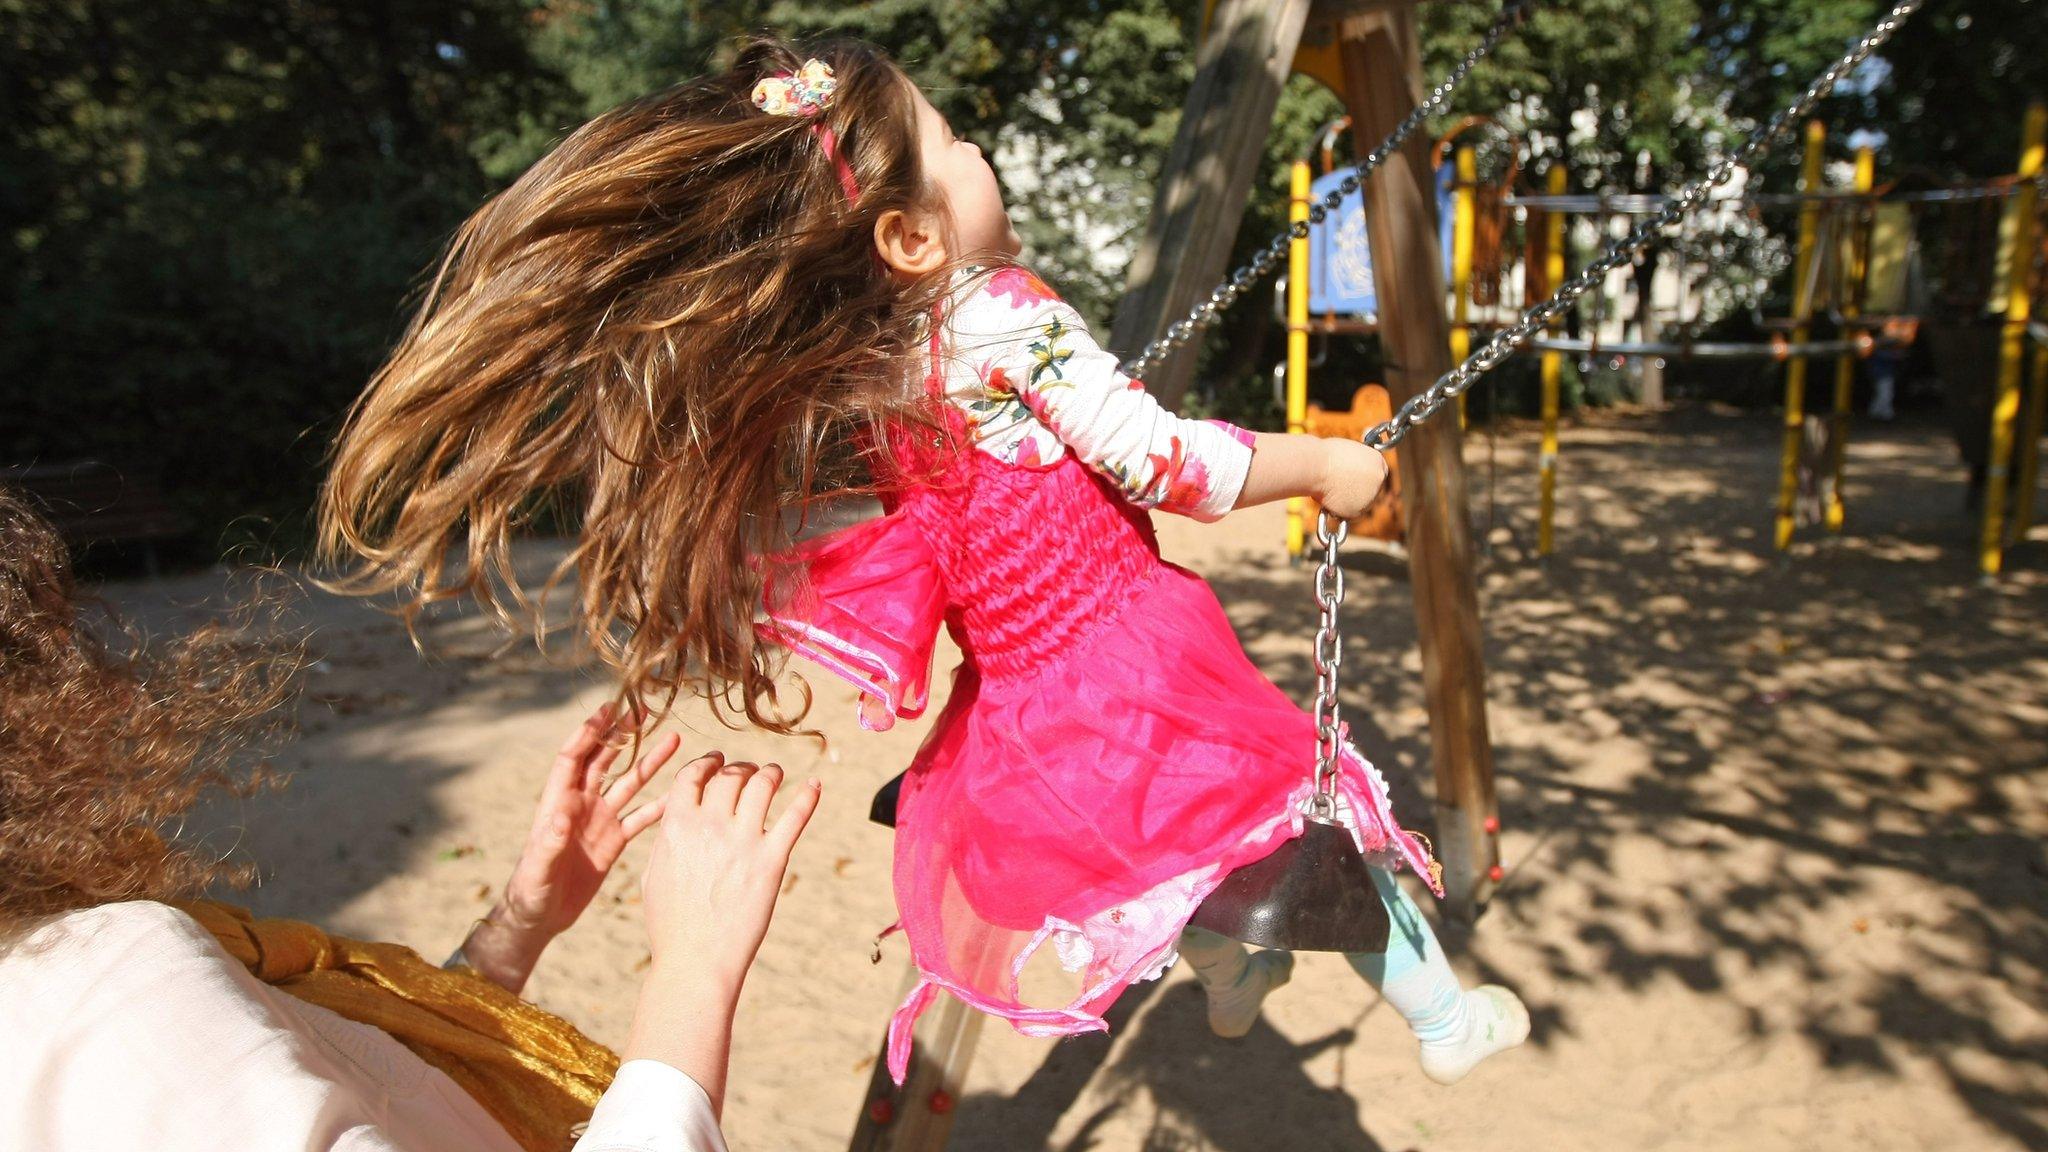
{"x":1344,"y":476}
{"x":1024,"y":365}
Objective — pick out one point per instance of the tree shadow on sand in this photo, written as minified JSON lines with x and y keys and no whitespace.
{"x":1194,"y":1082}
{"x":1718,"y":767}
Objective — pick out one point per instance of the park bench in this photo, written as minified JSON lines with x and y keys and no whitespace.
{"x":91,"y":502}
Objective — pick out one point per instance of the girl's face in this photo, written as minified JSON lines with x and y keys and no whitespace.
{"x":976,"y":219}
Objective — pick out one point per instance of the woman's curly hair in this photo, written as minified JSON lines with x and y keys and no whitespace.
{"x":107,"y":740}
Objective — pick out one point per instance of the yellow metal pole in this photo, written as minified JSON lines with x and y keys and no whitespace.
{"x":1553,"y":370}
{"x":2013,"y":344}
{"x":2030,"y":447}
{"x":1802,"y":308}
{"x":1852,"y":306}
{"x":1297,"y":348}
{"x":1463,"y":224}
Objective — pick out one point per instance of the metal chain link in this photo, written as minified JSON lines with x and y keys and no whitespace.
{"x":1237,"y":283}
{"x":1329,"y":587}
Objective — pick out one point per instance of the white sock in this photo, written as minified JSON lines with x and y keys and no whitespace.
{"x":1236,"y":979}
{"x":1457,"y":1028}
{"x":1494,"y":1021}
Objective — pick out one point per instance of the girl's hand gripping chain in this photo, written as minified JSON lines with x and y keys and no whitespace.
{"x":709,"y":892}
{"x":580,"y":827}
{"x":1353,"y":476}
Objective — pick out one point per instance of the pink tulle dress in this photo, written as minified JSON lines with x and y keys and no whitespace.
{"x":1108,"y":753}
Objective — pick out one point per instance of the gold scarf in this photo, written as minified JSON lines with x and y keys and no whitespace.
{"x":532,"y":1071}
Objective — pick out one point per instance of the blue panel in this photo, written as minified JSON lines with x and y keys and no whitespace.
{"x":1446,"y":213}
{"x":1339,"y":258}
{"x":1339,"y":261}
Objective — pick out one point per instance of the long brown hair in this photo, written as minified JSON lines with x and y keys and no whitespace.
{"x":667,"y":331}
{"x":107,"y":740}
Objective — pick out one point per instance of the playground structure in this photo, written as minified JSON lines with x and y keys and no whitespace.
{"x":1328,"y":291}
{"x":1855,"y":271}
{"x":1241,"y":66}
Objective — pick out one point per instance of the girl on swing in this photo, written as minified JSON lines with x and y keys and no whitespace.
{"x":707,"y":311}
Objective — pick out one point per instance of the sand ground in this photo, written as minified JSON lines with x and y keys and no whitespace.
{"x":1773,"y":830}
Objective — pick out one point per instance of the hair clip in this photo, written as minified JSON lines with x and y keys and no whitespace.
{"x":805,"y":92}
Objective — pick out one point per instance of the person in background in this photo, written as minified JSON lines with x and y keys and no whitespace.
{"x":1895,"y":342}
{"x":138,"y":1016}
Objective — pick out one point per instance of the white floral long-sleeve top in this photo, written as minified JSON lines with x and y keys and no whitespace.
{"x":1020,"y":364}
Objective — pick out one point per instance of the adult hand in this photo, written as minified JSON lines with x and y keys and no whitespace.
{"x":580,"y":827}
{"x":707,"y":897}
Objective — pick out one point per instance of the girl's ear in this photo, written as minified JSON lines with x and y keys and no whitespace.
{"x":911,"y":244}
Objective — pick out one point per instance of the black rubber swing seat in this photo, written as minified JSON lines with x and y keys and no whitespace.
{"x":882,"y":809}
{"x":1312,"y":894}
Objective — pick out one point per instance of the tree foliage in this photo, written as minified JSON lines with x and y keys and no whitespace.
{"x":216,"y":211}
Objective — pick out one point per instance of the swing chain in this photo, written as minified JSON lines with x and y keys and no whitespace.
{"x":1329,"y":657}
{"x":1203,"y":314}
{"x":1383,"y":436}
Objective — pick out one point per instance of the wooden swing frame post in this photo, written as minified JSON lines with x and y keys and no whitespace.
{"x":1245,"y":59}
{"x":2005,"y":408}
{"x":1553,"y":371}
{"x":1802,"y":315}
{"x":1852,"y":307}
{"x":918,"y":1117}
{"x":1381,"y":60}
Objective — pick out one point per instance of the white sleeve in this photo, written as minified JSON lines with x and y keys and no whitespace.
{"x":652,"y":1107}
{"x":128,"y":1027}
{"x":1020,"y":356}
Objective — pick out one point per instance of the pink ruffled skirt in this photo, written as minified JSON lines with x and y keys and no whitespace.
{"x":1086,"y":802}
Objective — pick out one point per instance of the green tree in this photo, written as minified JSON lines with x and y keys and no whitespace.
{"x":1954,"y":87}
{"x":215,"y":211}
